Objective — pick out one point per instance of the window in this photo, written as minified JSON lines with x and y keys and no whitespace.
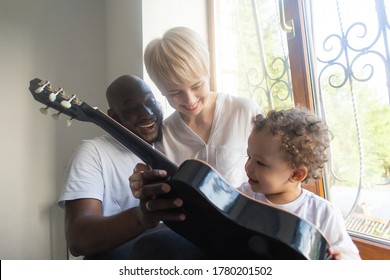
{"x":334,"y":59}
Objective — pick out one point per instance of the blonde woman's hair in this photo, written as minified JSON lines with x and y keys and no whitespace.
{"x":178,"y":57}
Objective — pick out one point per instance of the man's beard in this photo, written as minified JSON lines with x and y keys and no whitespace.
{"x":159,"y":136}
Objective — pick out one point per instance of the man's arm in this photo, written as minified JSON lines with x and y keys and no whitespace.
{"x":88,"y":232}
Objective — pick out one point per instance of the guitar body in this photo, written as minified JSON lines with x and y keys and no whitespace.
{"x":224,"y":223}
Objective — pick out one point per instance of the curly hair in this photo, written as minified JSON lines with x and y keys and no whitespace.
{"x":304,"y":138}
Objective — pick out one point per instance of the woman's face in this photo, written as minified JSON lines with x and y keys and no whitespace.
{"x":188,"y":98}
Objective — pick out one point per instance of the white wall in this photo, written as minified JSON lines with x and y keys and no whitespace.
{"x":158,"y":18}
{"x":124,"y":38}
{"x":60,"y":41}
{"x":81,"y":45}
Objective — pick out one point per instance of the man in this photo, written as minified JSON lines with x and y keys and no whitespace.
{"x":103,"y":220}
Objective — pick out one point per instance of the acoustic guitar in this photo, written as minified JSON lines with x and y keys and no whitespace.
{"x":221,"y":221}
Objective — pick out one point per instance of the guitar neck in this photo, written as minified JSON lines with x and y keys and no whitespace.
{"x":131,"y":141}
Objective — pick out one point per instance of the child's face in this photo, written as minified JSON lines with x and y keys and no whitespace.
{"x":266,"y":169}
{"x":188,"y":99}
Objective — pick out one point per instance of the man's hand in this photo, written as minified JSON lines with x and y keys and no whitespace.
{"x":143,"y":175}
{"x":153,"y":206}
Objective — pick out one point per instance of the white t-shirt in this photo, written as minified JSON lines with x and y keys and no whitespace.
{"x":319,"y":212}
{"x":100,"y":169}
{"x":226,"y":149}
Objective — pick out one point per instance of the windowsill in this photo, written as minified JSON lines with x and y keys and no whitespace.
{"x":370,"y":250}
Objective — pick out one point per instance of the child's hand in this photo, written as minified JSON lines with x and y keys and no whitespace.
{"x":334,"y":253}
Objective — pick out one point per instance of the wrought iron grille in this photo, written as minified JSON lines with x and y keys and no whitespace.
{"x":351,"y":69}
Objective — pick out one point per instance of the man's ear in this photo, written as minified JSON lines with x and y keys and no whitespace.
{"x":299,"y":174}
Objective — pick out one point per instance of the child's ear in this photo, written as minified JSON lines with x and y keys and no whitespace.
{"x":299,"y":174}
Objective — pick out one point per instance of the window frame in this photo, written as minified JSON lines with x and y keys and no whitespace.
{"x":304,"y":89}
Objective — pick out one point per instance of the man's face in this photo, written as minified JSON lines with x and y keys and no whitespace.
{"x":139,"y":112}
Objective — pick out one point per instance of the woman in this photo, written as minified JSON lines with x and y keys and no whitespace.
{"x":209,"y":126}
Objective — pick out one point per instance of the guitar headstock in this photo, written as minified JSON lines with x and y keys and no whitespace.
{"x":56,"y":98}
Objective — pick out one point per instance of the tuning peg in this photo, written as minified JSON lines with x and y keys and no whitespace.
{"x":44,"y":110}
{"x":56,"y":116}
{"x":41,"y":88}
{"x":69,"y":122}
{"x":67,"y":103}
{"x":53,"y":95}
